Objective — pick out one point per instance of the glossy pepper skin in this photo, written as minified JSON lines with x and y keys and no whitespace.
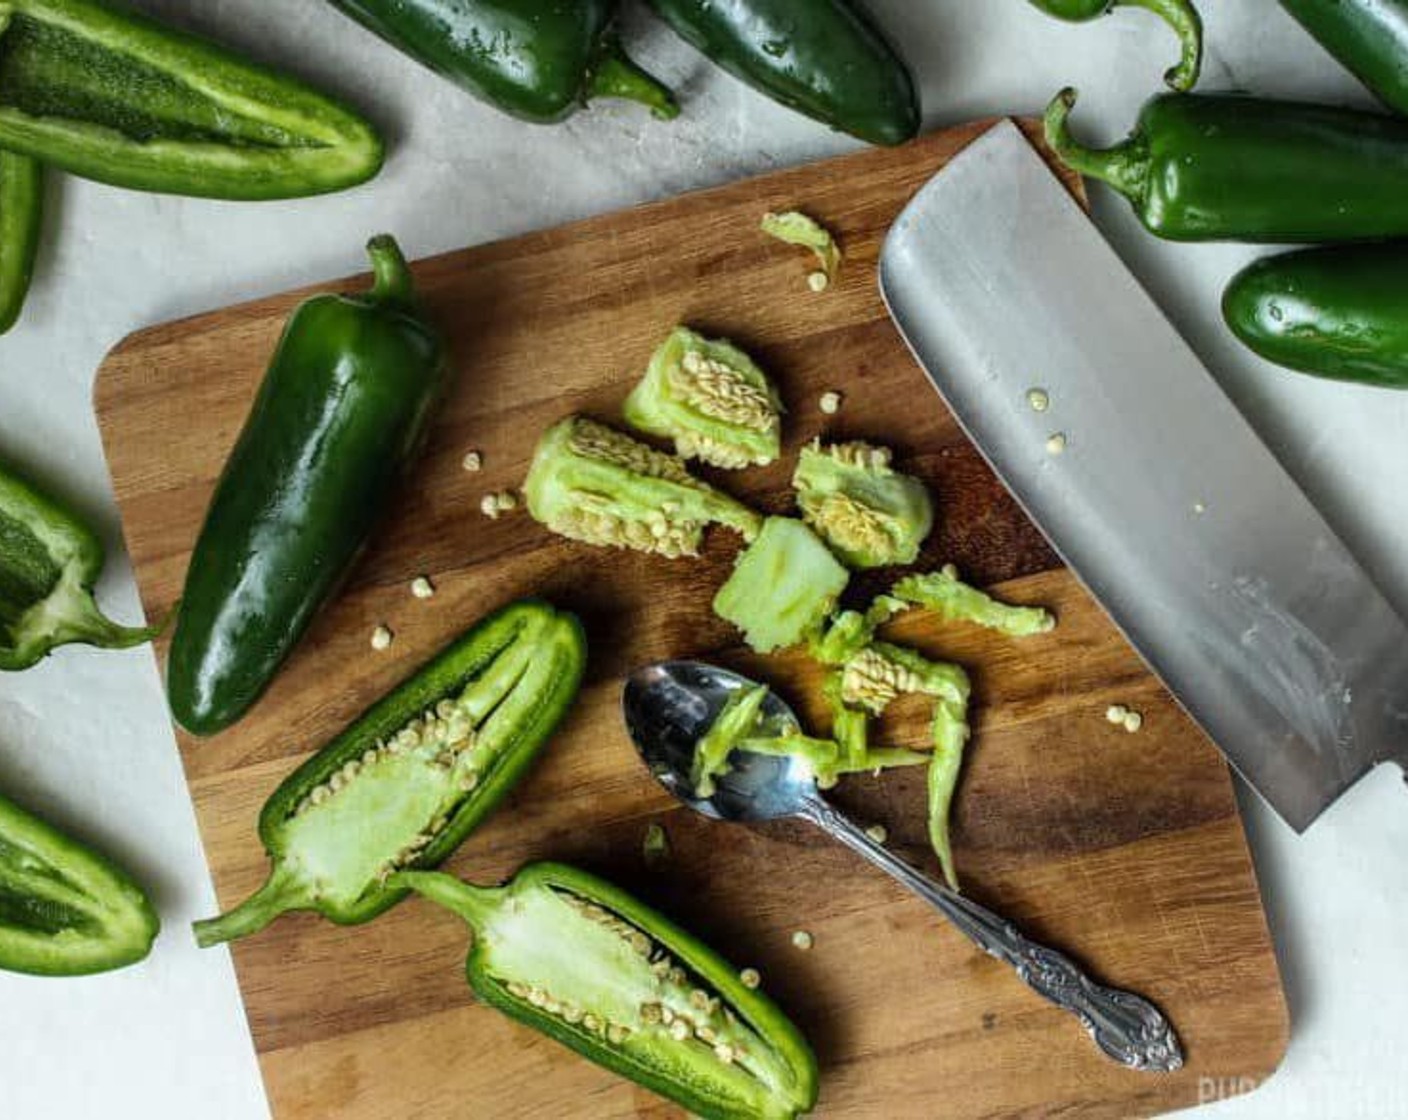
{"x":1225,"y":167}
{"x":341,"y":413}
{"x":49,"y":562}
{"x":414,"y":775}
{"x":581,"y":961}
{"x":1368,"y":37}
{"x":540,"y":62}
{"x":112,"y":96}
{"x":65,"y":910}
{"x":823,"y":58}
{"x":1181,"y":15}
{"x":1338,"y":312}
{"x":21,"y":191}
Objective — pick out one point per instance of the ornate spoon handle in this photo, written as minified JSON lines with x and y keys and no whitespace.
{"x":1127,"y":1027}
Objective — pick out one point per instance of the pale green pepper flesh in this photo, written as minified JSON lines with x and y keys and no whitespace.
{"x":711,"y":399}
{"x":593,"y":484}
{"x":783,"y":587}
{"x":953,"y":600}
{"x":871,"y":515}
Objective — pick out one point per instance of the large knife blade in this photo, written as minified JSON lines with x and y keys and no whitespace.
{"x":1156,"y":492}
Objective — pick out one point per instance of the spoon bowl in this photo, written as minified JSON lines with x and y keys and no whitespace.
{"x":668,"y":708}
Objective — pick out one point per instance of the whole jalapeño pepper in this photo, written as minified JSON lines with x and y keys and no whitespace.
{"x":1226,"y":167}
{"x":64,"y":909}
{"x":415,"y":774}
{"x":823,"y":58}
{"x":21,"y":190}
{"x":1339,"y":312}
{"x":110,"y":95}
{"x":49,"y":562}
{"x":589,"y":966}
{"x":339,"y":417}
{"x":1368,"y":37}
{"x":1181,"y":15}
{"x":541,"y":62}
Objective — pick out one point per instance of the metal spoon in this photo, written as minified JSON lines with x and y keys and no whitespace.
{"x":669,"y":706}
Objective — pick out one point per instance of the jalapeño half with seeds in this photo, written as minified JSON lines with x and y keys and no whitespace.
{"x":593,"y":968}
{"x":407,"y":782}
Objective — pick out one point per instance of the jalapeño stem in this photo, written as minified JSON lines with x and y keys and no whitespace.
{"x":474,"y":904}
{"x":1188,"y":26}
{"x":618,"y":76}
{"x":1124,"y":167}
{"x":278,"y":895}
{"x":392,"y":281}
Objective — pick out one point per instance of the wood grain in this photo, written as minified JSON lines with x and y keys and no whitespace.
{"x":1126,"y":849}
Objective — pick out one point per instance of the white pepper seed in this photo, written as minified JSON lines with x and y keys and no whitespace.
{"x":472,"y":461}
{"x":1116,"y":713}
{"x":750,"y":978}
{"x":878,"y":833}
{"x":680,"y":1029}
{"x":1039,"y":399}
{"x":591,"y":1022}
{"x":1133,"y":722}
{"x":724,"y":1052}
{"x":706,"y":1035}
{"x":422,"y":588}
{"x":818,"y":281}
{"x":507,"y":500}
{"x":381,"y":638}
{"x":489,"y":506}
{"x":803,"y":940}
{"x":699,"y":999}
{"x":1056,"y":445}
{"x":830,"y":403}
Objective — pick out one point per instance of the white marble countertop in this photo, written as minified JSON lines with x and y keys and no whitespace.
{"x":85,"y":736}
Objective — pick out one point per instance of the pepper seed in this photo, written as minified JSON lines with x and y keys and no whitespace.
{"x":750,"y":978}
{"x":381,"y":638}
{"x":422,"y":588}
{"x":803,"y":940}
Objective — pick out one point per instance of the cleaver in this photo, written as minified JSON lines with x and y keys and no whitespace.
{"x":1147,"y":480}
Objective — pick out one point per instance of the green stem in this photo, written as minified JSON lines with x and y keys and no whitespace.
{"x":474,"y":904}
{"x":278,"y":895}
{"x":392,"y":280}
{"x":1188,"y":25}
{"x":618,"y":76}
{"x":83,"y":621}
{"x":1124,"y":167}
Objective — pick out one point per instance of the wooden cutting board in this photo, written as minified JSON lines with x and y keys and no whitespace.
{"x":1125,"y":849}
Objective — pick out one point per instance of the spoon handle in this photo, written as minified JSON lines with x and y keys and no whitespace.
{"x":1126,"y":1026}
